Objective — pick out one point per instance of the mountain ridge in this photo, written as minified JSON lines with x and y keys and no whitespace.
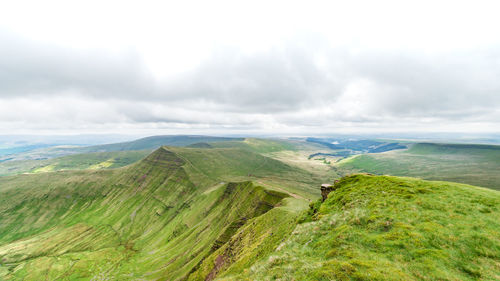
{"x":200,"y":214}
{"x":139,"y":219}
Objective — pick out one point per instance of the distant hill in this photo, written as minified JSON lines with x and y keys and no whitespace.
{"x":148,"y":143}
{"x":155,"y":142}
{"x":92,"y":160}
{"x":367,"y":145}
{"x":200,"y":145}
{"x":466,"y":163}
{"x":19,"y":149}
{"x":122,"y":154}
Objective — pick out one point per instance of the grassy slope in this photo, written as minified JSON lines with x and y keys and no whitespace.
{"x":389,"y":228}
{"x":158,"y":218}
{"x":258,"y":145}
{"x":292,"y":152}
{"x":471,"y":164}
{"x":259,"y":238}
{"x":210,"y":166}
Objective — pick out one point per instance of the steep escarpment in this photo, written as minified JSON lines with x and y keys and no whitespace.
{"x":147,"y":221}
{"x":34,"y":203}
{"x":390,"y":228}
{"x":255,"y":240}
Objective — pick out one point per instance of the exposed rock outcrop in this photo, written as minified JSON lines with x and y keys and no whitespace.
{"x":326,"y":189}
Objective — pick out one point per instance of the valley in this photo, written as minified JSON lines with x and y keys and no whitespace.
{"x":246,"y":209}
{"x":249,"y":141}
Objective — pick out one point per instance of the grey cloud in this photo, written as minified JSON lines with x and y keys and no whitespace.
{"x":413,"y":84}
{"x":33,"y":68}
{"x":278,"y":86}
{"x":264,"y":83}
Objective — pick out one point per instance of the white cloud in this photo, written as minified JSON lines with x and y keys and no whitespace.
{"x":260,"y":66}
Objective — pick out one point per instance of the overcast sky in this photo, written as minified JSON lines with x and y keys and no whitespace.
{"x":259,"y":67}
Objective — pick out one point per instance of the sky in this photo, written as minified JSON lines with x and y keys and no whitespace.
{"x":249,"y":67}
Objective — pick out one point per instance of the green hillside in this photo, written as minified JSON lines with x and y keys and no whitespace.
{"x":464,"y":163}
{"x":387,"y":228}
{"x":210,"y":166}
{"x":156,"y":219}
{"x":201,"y":213}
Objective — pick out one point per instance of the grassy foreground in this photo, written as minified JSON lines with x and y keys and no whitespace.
{"x":390,"y":228}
